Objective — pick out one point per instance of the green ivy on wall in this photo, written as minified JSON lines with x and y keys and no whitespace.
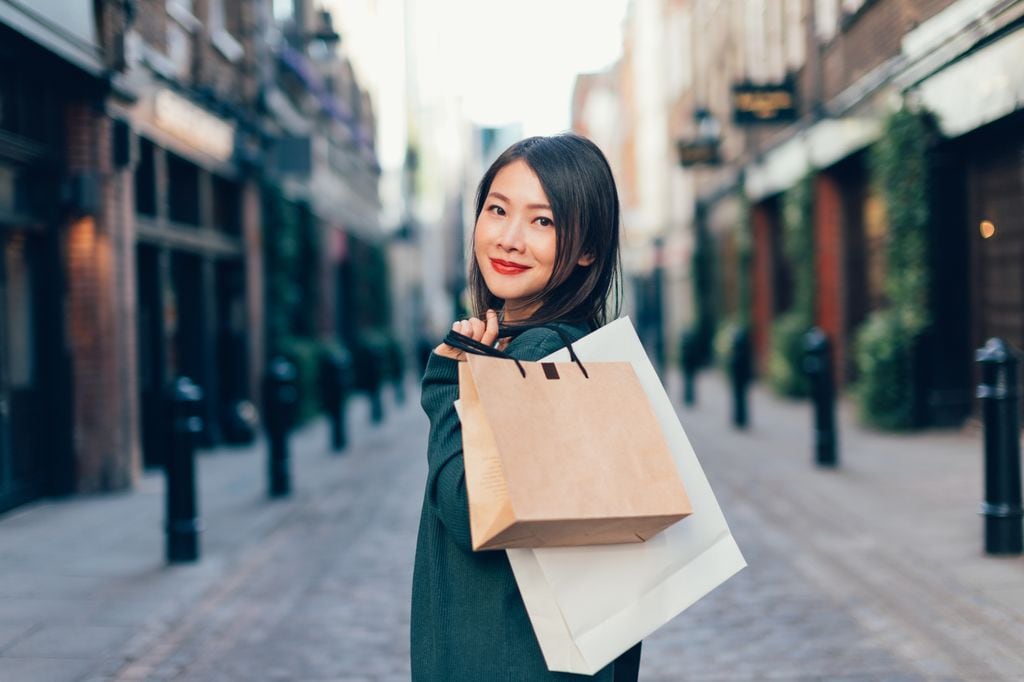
{"x":742,"y":316}
{"x":887,"y":392}
{"x":785,"y":363}
{"x":697,"y":341}
{"x":282,"y":249}
{"x":290,"y":247}
{"x":745,"y":261}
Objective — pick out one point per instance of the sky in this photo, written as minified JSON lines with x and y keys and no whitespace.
{"x":517,"y":61}
{"x":507,"y":61}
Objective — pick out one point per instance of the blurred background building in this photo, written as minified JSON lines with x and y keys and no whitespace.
{"x":851,"y":164}
{"x":186,"y":187}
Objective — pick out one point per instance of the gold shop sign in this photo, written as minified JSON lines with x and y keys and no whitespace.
{"x":193,"y":125}
{"x":771,"y":103}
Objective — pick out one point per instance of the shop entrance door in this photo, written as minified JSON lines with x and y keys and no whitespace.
{"x":19,"y":447}
{"x":998,"y":235}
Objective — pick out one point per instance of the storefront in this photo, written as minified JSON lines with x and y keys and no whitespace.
{"x":979,"y":196}
{"x":193,"y":265}
{"x":35,"y":440}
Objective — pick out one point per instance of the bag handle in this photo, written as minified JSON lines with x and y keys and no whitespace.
{"x":468,"y":344}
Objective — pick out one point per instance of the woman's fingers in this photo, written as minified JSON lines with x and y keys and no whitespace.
{"x":477,"y":327}
{"x":490,"y":334}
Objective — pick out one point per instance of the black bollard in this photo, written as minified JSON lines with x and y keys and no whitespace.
{"x":740,"y":372}
{"x":690,"y":357}
{"x":818,"y":367}
{"x":280,"y":400}
{"x":184,"y":426}
{"x":334,"y":371}
{"x":999,"y":392}
{"x":376,"y":381}
{"x":397,"y":362}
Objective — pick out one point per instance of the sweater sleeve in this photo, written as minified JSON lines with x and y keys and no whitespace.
{"x":446,"y":475}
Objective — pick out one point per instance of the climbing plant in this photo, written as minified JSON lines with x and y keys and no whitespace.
{"x":697,"y":341}
{"x":888,"y":393}
{"x":785,"y":373}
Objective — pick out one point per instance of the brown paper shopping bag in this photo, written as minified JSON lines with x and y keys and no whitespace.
{"x":562,"y":454}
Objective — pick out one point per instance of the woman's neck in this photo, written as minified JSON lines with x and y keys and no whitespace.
{"x":521,"y":314}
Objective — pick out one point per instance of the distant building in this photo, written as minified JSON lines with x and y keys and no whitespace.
{"x":755,"y":97}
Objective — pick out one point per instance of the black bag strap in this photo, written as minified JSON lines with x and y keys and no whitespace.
{"x":468,"y":344}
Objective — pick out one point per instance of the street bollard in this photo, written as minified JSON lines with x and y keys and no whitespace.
{"x":999,"y":392}
{"x":334,"y":378}
{"x":690,"y":361}
{"x":396,"y":359}
{"x":375,"y":369}
{"x":741,"y":372}
{"x":184,"y":400}
{"x":280,"y":400}
{"x":818,"y":367}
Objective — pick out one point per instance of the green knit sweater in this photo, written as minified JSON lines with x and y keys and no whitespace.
{"x":469,"y":623}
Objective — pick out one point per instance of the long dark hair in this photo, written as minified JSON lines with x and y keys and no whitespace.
{"x":579,"y":185}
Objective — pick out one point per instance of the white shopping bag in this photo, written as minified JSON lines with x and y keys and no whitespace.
{"x":588,"y":605}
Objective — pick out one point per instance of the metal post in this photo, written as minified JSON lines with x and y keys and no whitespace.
{"x":818,"y":367}
{"x":334,"y":369}
{"x":376,"y":376}
{"x":690,"y":361}
{"x":184,"y":401}
{"x":397,"y":364}
{"x":281,"y":397}
{"x":741,"y":372}
{"x":999,"y":392}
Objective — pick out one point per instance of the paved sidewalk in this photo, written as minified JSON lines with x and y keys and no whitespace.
{"x":85,"y":591}
{"x":892,"y":539}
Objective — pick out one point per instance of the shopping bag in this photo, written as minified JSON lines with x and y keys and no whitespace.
{"x":563,"y":454}
{"x":588,"y":605}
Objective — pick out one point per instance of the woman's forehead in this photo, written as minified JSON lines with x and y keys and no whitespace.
{"x":517,"y":183}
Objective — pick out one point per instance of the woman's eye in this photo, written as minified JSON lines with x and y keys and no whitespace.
{"x":497,"y":210}
{"x":545,"y":222}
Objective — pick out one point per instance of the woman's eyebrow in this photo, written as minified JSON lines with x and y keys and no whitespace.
{"x":504,"y":198}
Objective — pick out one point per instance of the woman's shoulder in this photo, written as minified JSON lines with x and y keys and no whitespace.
{"x":534,"y":344}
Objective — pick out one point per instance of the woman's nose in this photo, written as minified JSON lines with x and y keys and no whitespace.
{"x":511,"y":236}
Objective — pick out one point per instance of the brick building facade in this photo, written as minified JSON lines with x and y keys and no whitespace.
{"x":135,"y":149}
{"x":844,"y":66}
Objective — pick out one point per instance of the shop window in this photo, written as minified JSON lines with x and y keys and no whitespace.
{"x":182,"y":191}
{"x":826,"y":19}
{"x":876,"y":231}
{"x":27,"y":104}
{"x":19,"y":319}
{"x":225,"y":23}
{"x":226,"y":206}
{"x":145,"y":180}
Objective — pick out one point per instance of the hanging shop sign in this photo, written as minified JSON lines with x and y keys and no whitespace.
{"x":193,"y":125}
{"x":764,"y":103}
{"x":697,"y":151}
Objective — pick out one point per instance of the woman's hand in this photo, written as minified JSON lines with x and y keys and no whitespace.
{"x":484,"y":332}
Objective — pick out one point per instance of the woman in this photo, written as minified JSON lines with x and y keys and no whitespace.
{"x":546,"y":251}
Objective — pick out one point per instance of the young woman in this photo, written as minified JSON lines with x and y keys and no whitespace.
{"x":546,"y":251}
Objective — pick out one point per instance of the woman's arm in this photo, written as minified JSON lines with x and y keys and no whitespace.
{"x":446,"y":476}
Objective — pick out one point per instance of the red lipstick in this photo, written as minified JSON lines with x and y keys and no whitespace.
{"x":503,"y":267}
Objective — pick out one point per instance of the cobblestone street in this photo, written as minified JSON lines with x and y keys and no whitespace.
{"x":317,"y":587}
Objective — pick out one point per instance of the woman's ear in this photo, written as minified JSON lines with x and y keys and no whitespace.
{"x":585,"y":260}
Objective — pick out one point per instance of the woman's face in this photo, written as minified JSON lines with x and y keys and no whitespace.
{"x":514,"y":239}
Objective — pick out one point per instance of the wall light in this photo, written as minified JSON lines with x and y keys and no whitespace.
{"x":987,"y":228}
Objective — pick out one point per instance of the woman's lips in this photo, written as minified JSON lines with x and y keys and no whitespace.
{"x":503,"y":267}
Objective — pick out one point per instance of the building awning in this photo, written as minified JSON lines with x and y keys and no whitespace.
{"x":978,"y":89}
{"x":65,"y":27}
{"x":822,"y":145}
